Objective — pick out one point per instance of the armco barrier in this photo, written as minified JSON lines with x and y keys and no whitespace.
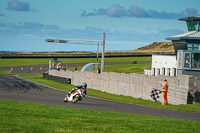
{"x":57,"y":78}
{"x":182,"y":89}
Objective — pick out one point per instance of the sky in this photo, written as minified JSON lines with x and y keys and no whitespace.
{"x":128,"y":24}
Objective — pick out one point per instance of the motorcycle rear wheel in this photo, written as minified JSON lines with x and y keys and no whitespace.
{"x":65,"y":99}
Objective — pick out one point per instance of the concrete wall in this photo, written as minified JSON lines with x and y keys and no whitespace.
{"x":194,"y":89}
{"x":134,"y":85}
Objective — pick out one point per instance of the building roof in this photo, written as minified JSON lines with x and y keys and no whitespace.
{"x":189,"y":35}
{"x":190,"y":18}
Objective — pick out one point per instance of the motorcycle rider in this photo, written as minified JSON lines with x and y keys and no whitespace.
{"x":84,"y":87}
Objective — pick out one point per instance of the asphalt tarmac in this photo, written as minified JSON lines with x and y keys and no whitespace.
{"x":17,"y":89}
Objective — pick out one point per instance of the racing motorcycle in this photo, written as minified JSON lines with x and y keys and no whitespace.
{"x":75,"y":95}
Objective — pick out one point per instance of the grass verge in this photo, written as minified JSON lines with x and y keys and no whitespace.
{"x":29,"y":117}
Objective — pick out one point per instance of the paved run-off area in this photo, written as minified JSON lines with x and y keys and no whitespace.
{"x":14,"y":88}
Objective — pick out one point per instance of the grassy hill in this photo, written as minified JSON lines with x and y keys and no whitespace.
{"x":156,"y":48}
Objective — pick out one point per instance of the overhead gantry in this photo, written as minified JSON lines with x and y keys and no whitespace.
{"x":86,"y":42}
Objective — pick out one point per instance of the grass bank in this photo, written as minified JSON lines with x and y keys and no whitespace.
{"x":28,"y":117}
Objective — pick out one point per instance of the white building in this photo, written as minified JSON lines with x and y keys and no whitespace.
{"x":186,"y":60}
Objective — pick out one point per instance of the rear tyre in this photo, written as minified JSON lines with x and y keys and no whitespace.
{"x":65,"y":99}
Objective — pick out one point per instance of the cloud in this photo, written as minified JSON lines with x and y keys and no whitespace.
{"x":39,"y":30}
{"x":158,"y":35}
{"x":118,"y":11}
{"x":114,"y":11}
{"x":191,"y":11}
{"x":35,"y":29}
{"x":164,"y":15}
{"x":18,"y":6}
{"x":135,"y":11}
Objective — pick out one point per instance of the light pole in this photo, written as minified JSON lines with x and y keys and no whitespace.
{"x":103,"y":49}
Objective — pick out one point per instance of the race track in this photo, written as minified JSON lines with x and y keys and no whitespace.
{"x":14,"y":88}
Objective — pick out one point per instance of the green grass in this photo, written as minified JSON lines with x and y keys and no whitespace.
{"x":39,"y":79}
{"x":22,"y":61}
{"x":29,"y":117}
{"x":127,"y":68}
{"x":138,"y":101}
{"x":121,"y":68}
{"x":118,"y":98}
{"x":4,"y":72}
{"x":36,"y":61}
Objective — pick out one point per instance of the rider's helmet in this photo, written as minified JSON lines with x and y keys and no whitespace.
{"x":84,"y":85}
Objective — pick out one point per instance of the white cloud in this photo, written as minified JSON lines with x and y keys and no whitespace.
{"x":114,"y":11}
{"x":118,"y":11}
{"x":18,"y":6}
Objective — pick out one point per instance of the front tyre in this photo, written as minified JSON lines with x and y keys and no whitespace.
{"x":76,"y":98}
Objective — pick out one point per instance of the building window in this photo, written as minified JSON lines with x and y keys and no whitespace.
{"x":197,"y":25}
{"x":192,"y":61}
{"x":195,"y":47}
{"x":196,"y":60}
{"x":187,"y":60}
{"x":189,"y":46}
{"x":193,"y":25}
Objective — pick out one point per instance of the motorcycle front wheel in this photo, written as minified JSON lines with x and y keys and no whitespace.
{"x":75,"y":98}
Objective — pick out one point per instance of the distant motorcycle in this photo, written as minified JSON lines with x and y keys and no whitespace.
{"x":76,"y":94}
